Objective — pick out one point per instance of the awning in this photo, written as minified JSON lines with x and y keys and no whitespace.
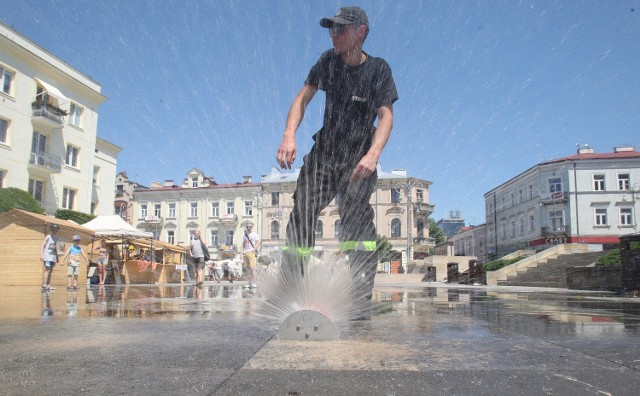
{"x":53,"y":91}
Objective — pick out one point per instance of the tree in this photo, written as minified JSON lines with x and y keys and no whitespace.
{"x":77,"y":217}
{"x":385,"y":250}
{"x":12,"y":197}
{"x":435,"y":232}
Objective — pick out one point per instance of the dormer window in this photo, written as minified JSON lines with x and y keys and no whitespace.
{"x":194,"y":181}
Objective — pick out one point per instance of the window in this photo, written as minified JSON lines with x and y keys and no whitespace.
{"x":624,"y":181}
{"x":157,"y":210}
{"x":337,"y":228}
{"x":521,"y":221}
{"x":275,"y":199}
{"x":72,"y":156}
{"x":94,"y":207}
{"x":395,"y":195}
{"x":172,"y":210}
{"x":396,"y":228}
{"x":35,"y":189}
{"x":215,"y":209}
{"x":194,"y":181}
{"x":75,"y":115}
{"x":122,"y":212}
{"x":532,"y":223}
{"x":193,"y":209}
{"x":4,"y":130}
{"x":556,"y":220}
{"x":513,"y":228}
{"x":555,"y":185}
{"x":598,"y":183}
{"x":319,"y":229}
{"x":38,"y":148}
{"x":171,"y":237}
{"x":214,"y":237}
{"x":419,"y":195}
{"x":275,"y":230}
{"x":119,"y":190}
{"x":230,"y":208}
{"x":2,"y":174}
{"x":520,"y":196}
{"x":626,"y":218}
{"x":601,"y":217}
{"x":530,"y":191}
{"x":228,"y":237}
{"x":248,"y":208}
{"x":96,"y":175}
{"x":503,"y":227}
{"x":512,"y":197}
{"x":143,"y":211}
{"x":68,"y":198}
{"x":6,"y":78}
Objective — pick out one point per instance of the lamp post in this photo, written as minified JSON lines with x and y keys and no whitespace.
{"x":152,"y":219}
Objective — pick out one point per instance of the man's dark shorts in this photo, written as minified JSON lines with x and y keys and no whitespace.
{"x":198,"y":262}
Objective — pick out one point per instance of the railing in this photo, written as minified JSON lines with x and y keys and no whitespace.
{"x":424,"y":241}
{"x":42,"y":109}
{"x":553,"y":197}
{"x":46,"y":160}
{"x":553,"y":231}
{"x":229,"y":218}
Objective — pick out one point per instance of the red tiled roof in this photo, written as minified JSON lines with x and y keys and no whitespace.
{"x":595,"y":156}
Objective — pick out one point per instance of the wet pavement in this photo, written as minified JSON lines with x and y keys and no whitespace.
{"x":421,"y":338}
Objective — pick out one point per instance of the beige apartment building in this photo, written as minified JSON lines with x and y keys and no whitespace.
{"x":48,"y":130}
{"x":401,"y":206}
{"x":220,"y":211}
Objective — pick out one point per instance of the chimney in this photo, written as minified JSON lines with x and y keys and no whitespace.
{"x":399,"y":172}
{"x":624,"y":149}
{"x":168,"y":183}
{"x":585,"y":150}
{"x":246,"y":179}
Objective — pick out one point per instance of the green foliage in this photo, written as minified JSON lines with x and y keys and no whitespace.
{"x":385,"y":250}
{"x":12,"y":197}
{"x":78,"y":217}
{"x":436,"y":232}
{"x":497,"y":264}
{"x":610,"y":259}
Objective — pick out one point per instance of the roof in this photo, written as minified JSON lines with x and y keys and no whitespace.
{"x":595,"y":156}
{"x":34,"y":219}
{"x":114,"y":226}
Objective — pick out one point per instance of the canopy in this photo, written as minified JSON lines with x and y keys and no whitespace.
{"x":114,"y":226}
{"x":53,"y":91}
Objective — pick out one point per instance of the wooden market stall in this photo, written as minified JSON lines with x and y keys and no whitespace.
{"x":135,"y":257}
{"x":21,"y":236}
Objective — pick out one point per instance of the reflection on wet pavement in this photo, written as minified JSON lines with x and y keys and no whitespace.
{"x":578,"y":313}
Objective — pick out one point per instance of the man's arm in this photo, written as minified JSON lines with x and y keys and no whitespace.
{"x":287,"y":150}
{"x":368,"y":163}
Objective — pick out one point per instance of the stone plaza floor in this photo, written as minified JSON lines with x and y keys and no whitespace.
{"x":422,"y":338}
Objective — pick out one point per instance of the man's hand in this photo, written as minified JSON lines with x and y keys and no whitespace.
{"x":365,"y":167}
{"x":286,"y":153}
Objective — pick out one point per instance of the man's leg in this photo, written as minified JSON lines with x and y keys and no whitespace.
{"x":358,"y":234}
{"x":315,"y":188}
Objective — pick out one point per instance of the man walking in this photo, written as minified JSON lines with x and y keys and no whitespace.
{"x":250,"y":245}
{"x":342,"y":163}
{"x":198,"y":248}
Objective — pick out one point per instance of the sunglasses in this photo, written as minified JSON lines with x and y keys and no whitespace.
{"x":339,"y":29}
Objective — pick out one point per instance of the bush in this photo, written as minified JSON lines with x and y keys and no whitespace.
{"x":610,"y":259}
{"x":78,"y":217}
{"x":497,"y":264}
{"x":12,"y":197}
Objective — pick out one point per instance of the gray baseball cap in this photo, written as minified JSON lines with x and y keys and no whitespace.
{"x":346,"y":16}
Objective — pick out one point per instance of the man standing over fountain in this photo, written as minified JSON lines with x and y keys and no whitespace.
{"x":342,"y":163}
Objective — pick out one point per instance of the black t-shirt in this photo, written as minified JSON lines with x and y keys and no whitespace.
{"x":353,"y":94}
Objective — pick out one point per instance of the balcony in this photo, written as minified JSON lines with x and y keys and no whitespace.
{"x":555,"y":231}
{"x":550,"y":198}
{"x":45,"y":161}
{"x":47,"y":114}
{"x":229,"y":218}
{"x":422,"y":241}
{"x":423,"y":209}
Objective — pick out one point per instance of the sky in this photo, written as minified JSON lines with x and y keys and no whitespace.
{"x":488,"y":88}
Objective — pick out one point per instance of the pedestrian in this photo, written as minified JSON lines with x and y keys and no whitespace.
{"x":103,"y":260}
{"x":197,"y":247}
{"x":49,"y":256}
{"x":74,"y":253}
{"x":342,"y":162}
{"x":250,"y":246}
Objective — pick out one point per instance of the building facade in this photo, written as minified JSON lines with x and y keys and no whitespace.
{"x":48,"y":130}
{"x":583,"y":198}
{"x":452,"y":224}
{"x":220,"y":211}
{"x":123,"y":203}
{"x":469,"y":241}
{"x":401,"y":206}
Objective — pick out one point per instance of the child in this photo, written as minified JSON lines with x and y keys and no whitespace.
{"x":74,"y":252}
{"x":103,"y":259}
{"x":49,"y":256}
